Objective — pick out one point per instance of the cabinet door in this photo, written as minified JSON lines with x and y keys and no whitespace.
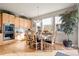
{"x":22,"y":24}
{"x":0,"y":21}
{"x":17,"y":22}
{"x":5,"y":18}
{"x":12,"y":19}
{"x":28,"y":24}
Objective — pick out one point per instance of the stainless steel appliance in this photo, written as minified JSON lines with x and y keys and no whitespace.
{"x":8,"y":31}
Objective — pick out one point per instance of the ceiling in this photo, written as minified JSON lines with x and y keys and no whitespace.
{"x":31,"y":10}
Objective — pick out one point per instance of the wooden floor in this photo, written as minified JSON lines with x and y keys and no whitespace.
{"x":20,"y":47}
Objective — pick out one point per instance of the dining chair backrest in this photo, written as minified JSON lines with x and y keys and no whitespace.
{"x":49,"y":37}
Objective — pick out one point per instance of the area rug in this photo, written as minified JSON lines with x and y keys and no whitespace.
{"x":61,"y":54}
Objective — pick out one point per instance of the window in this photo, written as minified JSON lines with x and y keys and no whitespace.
{"x":38,"y":25}
{"x":47,"y":24}
{"x":46,"y":21}
{"x":58,"y":22}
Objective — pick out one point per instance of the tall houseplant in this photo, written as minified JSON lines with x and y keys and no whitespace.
{"x":69,"y":21}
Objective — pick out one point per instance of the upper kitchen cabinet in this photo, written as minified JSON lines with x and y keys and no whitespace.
{"x":0,"y":20}
{"x":0,"y":23}
{"x":5,"y":18}
{"x":12,"y":19}
{"x":22,"y":23}
{"x":28,"y":24}
{"x":17,"y":22}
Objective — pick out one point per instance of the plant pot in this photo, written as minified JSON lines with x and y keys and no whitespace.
{"x":67,"y":43}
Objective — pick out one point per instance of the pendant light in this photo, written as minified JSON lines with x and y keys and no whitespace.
{"x":36,"y":26}
{"x":37,"y":17}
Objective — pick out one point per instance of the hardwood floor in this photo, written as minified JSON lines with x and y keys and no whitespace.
{"x":21,"y":47}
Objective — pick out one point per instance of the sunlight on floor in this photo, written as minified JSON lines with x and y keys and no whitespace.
{"x":20,"y":48}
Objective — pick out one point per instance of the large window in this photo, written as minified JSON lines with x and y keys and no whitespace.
{"x":38,"y":25}
{"x":47,"y":24}
{"x":58,"y":22}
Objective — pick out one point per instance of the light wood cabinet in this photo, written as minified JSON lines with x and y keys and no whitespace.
{"x":5,"y":18}
{"x":12,"y":19}
{"x":0,"y":21}
{"x":28,"y":24}
{"x":17,"y":22}
{"x":21,"y":23}
{"x":24,"y":23}
{"x":0,"y":24}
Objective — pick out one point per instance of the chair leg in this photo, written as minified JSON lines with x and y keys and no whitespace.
{"x":36,"y":47}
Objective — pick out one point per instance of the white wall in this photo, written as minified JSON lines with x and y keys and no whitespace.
{"x":78,"y":26}
{"x":60,"y":36}
{"x":74,"y":37}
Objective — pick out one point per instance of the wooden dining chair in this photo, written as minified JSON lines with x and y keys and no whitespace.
{"x":48,"y":43}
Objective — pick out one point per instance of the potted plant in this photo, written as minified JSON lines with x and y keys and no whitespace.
{"x":69,"y":21}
